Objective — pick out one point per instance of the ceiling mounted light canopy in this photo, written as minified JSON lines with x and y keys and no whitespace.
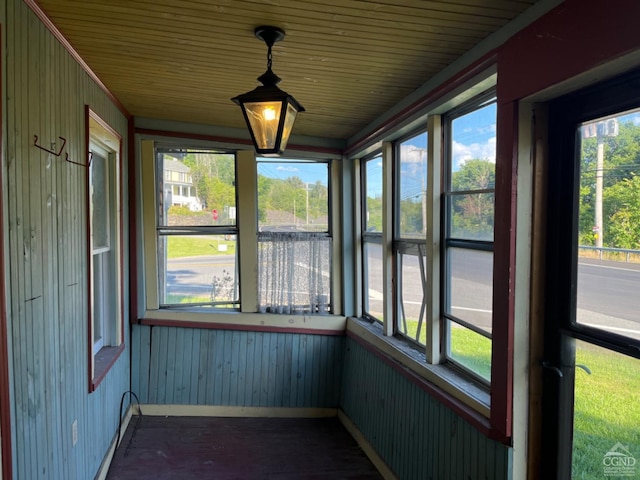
{"x":268,"y":111}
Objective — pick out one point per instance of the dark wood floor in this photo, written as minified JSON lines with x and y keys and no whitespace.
{"x":238,"y":448}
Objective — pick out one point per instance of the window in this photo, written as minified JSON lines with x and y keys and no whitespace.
{"x":372,"y":262}
{"x":247,"y":236}
{"x":106,"y":322}
{"x":410,"y":237}
{"x":197,"y":233}
{"x":435,"y":275}
{"x":294,"y":241}
{"x":468,"y":199}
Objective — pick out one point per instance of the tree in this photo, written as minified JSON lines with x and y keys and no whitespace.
{"x":622,"y":211}
{"x":621,"y":159}
{"x":475,"y":174}
{"x":472,"y":214}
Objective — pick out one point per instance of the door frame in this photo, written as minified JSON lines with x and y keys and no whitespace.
{"x":561,"y":246}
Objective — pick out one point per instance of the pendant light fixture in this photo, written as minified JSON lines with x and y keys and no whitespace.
{"x":268,"y":111}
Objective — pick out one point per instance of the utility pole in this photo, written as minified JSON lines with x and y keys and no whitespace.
{"x":597,"y":222}
{"x":307,"y":185}
{"x":600,"y":130}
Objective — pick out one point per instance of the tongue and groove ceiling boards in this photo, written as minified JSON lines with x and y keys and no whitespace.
{"x":345,"y":61}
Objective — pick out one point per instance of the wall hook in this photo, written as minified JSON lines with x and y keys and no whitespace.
{"x":66,"y":157}
{"x":57,"y":154}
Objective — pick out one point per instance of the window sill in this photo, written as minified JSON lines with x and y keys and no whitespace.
{"x":313,"y":324}
{"x":455,"y":391}
{"x":102,"y":363}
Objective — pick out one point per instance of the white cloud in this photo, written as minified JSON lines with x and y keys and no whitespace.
{"x":462,"y":153}
{"x":287,"y":169}
{"x":412,"y":154}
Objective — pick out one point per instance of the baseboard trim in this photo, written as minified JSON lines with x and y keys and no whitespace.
{"x":226,"y":411}
{"x":366,"y":447}
{"x":106,"y":461}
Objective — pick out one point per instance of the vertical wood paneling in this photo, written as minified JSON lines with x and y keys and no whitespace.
{"x":237,"y":368}
{"x":415,"y":435}
{"x":46,"y":92}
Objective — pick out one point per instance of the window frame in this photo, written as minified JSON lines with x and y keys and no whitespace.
{"x":167,"y":231}
{"x":101,"y":357}
{"x":263,"y":235}
{"x":430,"y":361}
{"x":448,"y":241}
{"x":403,"y":245}
{"x":369,"y":237}
{"x":247,"y":317}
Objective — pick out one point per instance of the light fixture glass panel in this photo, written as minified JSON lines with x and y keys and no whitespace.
{"x":264,"y":118}
{"x":288,"y":125}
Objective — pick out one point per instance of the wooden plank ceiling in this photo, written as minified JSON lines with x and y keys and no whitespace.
{"x":345,"y":61}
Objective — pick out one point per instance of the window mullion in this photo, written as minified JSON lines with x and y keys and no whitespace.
{"x":247,"y":178}
{"x":335,"y":229}
{"x":387,"y":239}
{"x":356,"y":184}
{"x":149,"y":189}
{"x":432,"y":296}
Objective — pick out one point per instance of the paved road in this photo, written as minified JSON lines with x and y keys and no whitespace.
{"x":193,"y":276}
{"x":608,"y":292}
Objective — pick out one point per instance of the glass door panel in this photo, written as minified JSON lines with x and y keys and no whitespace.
{"x":609,"y":224}
{"x":591,"y":387}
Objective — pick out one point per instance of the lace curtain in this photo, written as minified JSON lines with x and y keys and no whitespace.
{"x":294,"y":272}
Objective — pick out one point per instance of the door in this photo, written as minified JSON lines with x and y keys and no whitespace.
{"x":591,"y":386}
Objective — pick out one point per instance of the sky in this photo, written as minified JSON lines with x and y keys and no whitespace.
{"x":473,"y":137}
{"x":308,"y":172}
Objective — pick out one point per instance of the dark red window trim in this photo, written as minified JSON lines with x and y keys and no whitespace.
{"x":95,"y":379}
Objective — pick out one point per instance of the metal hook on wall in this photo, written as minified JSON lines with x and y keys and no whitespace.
{"x":57,"y":154}
{"x":66,"y":157}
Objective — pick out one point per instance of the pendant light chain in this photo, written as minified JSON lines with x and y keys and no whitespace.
{"x":269,"y":58}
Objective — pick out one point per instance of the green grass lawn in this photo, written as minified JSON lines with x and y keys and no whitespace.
{"x":607,"y":409}
{"x":607,"y":402}
{"x":196,"y":246}
{"x":467,"y":347}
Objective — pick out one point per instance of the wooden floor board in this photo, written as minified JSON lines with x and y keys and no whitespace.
{"x":238,"y":448}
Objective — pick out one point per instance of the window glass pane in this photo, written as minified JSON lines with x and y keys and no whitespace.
{"x":473,"y":149}
{"x":472,"y":216}
{"x":199,"y":188}
{"x":412,"y":285}
{"x":412,"y":184}
{"x":609,"y":225}
{"x":199,"y":269}
{"x":294,"y":273}
{"x":373,"y":199}
{"x":470,"y":286}
{"x":293,"y":196}
{"x":99,"y":196}
{"x":373,"y":280}
{"x":606,"y":437}
{"x":470,"y":349}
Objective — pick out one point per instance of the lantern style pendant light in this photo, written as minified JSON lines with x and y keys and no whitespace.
{"x":268,"y":111}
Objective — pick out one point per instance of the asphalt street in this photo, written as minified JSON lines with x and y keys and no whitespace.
{"x":608,"y":292}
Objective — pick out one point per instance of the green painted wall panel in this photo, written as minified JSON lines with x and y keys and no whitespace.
{"x":417,"y":436}
{"x":44,"y":207}
{"x":237,"y":368}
